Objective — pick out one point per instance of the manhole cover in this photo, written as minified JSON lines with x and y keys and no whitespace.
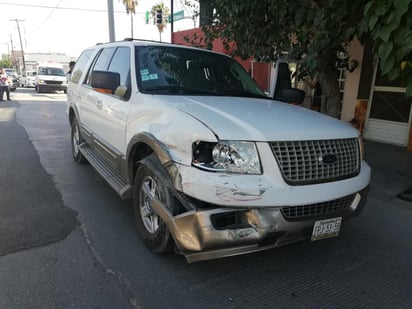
{"x":406,"y":196}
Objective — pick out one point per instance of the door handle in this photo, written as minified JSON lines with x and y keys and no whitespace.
{"x":99,"y":104}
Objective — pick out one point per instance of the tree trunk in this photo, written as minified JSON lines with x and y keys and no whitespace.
{"x":331,"y":102}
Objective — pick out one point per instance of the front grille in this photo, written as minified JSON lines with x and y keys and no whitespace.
{"x":302,"y":162}
{"x":318,"y":209}
{"x":53,"y":82}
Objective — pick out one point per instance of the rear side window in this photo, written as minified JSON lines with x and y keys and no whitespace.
{"x":81,"y":65}
{"x":104,"y":59}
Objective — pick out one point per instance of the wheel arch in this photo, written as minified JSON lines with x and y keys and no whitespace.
{"x":73,"y":113}
{"x":142,"y":145}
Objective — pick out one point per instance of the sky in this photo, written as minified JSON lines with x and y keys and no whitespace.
{"x":69,"y":26}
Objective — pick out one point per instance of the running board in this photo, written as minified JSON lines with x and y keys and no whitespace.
{"x":107,"y":172}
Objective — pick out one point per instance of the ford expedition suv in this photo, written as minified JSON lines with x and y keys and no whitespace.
{"x":214,"y":167}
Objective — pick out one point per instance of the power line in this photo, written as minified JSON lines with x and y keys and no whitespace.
{"x":63,"y":8}
{"x":48,"y":16}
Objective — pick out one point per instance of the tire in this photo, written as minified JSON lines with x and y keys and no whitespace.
{"x":76,"y":141}
{"x":151,"y":228}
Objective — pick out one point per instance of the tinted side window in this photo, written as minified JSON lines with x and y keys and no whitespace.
{"x":80,"y":65}
{"x":104,"y":59}
{"x":101,"y":62}
{"x":121,"y":64}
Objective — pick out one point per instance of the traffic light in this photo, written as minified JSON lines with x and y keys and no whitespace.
{"x":147,"y":17}
{"x":159,"y":16}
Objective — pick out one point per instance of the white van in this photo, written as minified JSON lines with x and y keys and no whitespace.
{"x":50,"y":77}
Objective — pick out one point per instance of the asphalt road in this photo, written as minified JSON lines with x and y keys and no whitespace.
{"x":68,"y":241}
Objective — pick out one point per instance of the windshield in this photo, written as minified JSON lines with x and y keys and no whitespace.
{"x":51,"y":71}
{"x":11,"y":72}
{"x":175,"y":70}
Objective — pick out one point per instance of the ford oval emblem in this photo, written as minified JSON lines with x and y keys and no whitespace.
{"x":329,"y":158}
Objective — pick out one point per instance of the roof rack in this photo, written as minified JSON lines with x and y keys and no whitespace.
{"x":134,"y":39}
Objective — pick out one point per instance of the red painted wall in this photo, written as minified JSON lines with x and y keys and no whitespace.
{"x":260,"y":69}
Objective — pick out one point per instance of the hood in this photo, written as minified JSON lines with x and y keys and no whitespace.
{"x":236,"y":118}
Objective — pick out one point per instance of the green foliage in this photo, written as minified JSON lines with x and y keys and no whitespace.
{"x":5,"y":62}
{"x":389,"y":23}
{"x":314,"y":31}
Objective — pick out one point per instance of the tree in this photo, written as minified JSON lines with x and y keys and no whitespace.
{"x":5,"y":62}
{"x":130,"y":8}
{"x":313,"y":33}
{"x":390,"y":25}
{"x":165,"y":14}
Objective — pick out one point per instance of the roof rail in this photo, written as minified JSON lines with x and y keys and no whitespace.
{"x":134,"y":39}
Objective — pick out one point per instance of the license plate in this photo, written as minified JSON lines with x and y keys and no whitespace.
{"x":326,"y":228}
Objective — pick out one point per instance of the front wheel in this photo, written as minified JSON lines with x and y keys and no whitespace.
{"x":152,"y":229}
{"x":76,"y":141}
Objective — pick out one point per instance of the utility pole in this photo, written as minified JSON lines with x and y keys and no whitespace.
{"x":13,"y":58}
{"x":171,"y":20}
{"x":21,"y":43}
{"x":111,"y":20}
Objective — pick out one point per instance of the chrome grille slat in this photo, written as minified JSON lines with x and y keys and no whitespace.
{"x":299,"y":160}
{"x":311,"y":210}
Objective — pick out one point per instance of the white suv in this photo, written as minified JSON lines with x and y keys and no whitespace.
{"x":215,"y":168}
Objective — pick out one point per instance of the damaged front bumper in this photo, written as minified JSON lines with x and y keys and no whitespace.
{"x":211,"y":233}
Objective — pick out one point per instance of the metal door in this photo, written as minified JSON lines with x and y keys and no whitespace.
{"x":389,"y":112}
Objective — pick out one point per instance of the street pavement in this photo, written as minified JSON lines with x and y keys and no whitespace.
{"x":66,"y":243}
{"x":28,"y":197}
{"x":391,"y":172}
{"x":46,"y":272}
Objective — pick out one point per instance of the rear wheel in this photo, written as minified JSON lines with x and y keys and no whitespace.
{"x":152,"y":229}
{"x":76,"y":141}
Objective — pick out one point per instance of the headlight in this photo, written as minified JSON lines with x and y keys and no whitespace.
{"x":227,"y":156}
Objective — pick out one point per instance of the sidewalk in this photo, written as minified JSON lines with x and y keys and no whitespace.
{"x":391,"y":171}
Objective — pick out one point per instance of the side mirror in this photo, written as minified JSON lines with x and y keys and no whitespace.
{"x":106,"y":81}
{"x":291,"y":95}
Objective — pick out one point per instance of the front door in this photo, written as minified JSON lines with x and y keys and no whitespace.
{"x":389,"y":112}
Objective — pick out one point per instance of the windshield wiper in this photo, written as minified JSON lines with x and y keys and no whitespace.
{"x":175,"y":89}
{"x":240,"y":93}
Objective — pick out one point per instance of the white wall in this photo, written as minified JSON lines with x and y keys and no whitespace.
{"x":352,"y":82}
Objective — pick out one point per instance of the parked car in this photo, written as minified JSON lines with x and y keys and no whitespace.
{"x":214,"y":167}
{"x":14,"y":80}
{"x":28,"y":79}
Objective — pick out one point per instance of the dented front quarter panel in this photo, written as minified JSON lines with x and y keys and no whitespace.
{"x":175,"y":130}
